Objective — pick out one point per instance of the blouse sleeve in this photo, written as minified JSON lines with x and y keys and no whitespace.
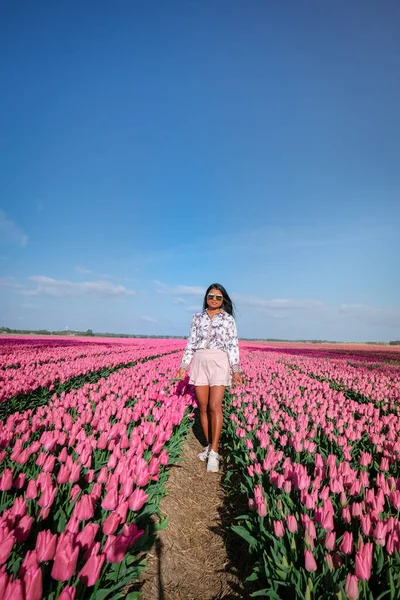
{"x":232,"y":346}
{"x":190,"y":346}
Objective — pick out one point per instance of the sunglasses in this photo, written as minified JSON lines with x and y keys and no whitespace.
{"x":217,"y":297}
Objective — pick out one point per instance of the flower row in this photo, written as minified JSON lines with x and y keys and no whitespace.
{"x":80,"y":479}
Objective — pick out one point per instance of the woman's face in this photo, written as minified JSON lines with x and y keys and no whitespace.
{"x":214,"y":299}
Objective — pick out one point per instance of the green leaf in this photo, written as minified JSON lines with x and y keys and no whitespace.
{"x":163,"y":524}
{"x":102,"y":594}
{"x":264,"y":593}
{"x":244,"y":534}
{"x":133,"y":596}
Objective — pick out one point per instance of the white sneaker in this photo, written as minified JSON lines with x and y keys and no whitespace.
{"x":213,"y":462}
{"x":204,"y":454}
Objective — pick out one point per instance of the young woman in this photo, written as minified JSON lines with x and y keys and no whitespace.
{"x":213,"y":342}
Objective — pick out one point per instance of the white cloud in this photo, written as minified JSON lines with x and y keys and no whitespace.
{"x":276,"y":304}
{"x":194,"y":308}
{"x":10,"y":283}
{"x":180,"y":301}
{"x":82,"y":270}
{"x":10,"y":233}
{"x":149,"y":319}
{"x":179,"y":290}
{"x":62,"y":288}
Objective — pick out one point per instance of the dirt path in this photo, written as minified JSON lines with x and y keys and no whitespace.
{"x":190,"y":560}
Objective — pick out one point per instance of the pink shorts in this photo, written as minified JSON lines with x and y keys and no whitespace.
{"x":210,"y":367}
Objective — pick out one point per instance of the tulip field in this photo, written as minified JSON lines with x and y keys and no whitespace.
{"x":314,"y":445}
{"x":88,"y":430}
{"x":82,"y":471}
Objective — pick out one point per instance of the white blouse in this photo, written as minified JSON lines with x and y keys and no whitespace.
{"x":216,"y":333}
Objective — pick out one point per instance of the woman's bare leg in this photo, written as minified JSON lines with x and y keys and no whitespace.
{"x":202,"y":395}
{"x":216,"y":397}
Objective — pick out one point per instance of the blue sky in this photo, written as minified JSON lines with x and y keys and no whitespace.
{"x":151,"y":148}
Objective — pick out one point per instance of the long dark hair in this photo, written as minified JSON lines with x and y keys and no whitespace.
{"x":227,"y":304}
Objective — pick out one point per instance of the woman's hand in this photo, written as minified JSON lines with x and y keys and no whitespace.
{"x":237,"y":379}
{"x":181,"y":373}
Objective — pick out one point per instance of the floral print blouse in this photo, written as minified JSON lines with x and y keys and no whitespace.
{"x":216,"y":333}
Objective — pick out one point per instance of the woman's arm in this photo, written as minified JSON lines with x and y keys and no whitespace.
{"x":232,"y":346}
{"x":190,"y":346}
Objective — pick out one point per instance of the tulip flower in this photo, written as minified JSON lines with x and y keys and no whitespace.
{"x":46,"y":545}
{"x":346,"y":545}
{"x":351,"y":587}
{"x":67,"y":593}
{"x":32,"y":581}
{"x":137,"y":499}
{"x":110,"y":501}
{"x":65,"y":561}
{"x":31,"y":490}
{"x":111,"y":523}
{"x":380,"y":532}
{"x":7,"y":540}
{"x":90,"y":572}
{"x":6,"y":480}
{"x":23,"y":528}
{"x":84,"y":508}
{"x":291,"y":524}
{"x":330,"y":540}
{"x":309,"y":561}
{"x":14,"y":590}
{"x":86,"y":537}
{"x":279,"y":529}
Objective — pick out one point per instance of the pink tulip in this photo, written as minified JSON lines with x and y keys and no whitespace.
{"x":111,"y":523}
{"x":46,"y":545}
{"x":65,"y":562}
{"x":14,"y":590}
{"x":115,"y":548}
{"x":7,"y":540}
{"x":351,"y":587}
{"x":86,"y":537}
{"x":6,"y":480}
{"x":380,"y":532}
{"x":110,"y":501}
{"x":103,"y":475}
{"x":63,"y":475}
{"x":330,"y":540}
{"x":96,"y":491}
{"x":47,"y":497}
{"x":84,"y":508}
{"x":19,"y":481}
{"x":346,"y":545}
{"x":75,"y":491}
{"x":137,"y":499}
{"x":31,"y":490}
{"x":329,"y":562}
{"x":363,"y":565}
{"x":279,"y":529}
{"x":33,"y":583}
{"x":19,"y":508}
{"x":68,"y":593}
{"x":365,"y":459}
{"x":90,"y":572}
{"x":346,"y":515}
{"x":291,"y":524}
{"x":23,"y":528}
{"x":309,"y":561}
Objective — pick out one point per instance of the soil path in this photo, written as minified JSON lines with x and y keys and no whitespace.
{"x":190,"y":560}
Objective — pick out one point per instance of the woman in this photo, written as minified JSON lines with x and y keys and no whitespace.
{"x":213,"y":341}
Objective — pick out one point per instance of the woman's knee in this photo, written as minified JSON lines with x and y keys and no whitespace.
{"x":203,"y":408}
{"x":215,"y":408}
